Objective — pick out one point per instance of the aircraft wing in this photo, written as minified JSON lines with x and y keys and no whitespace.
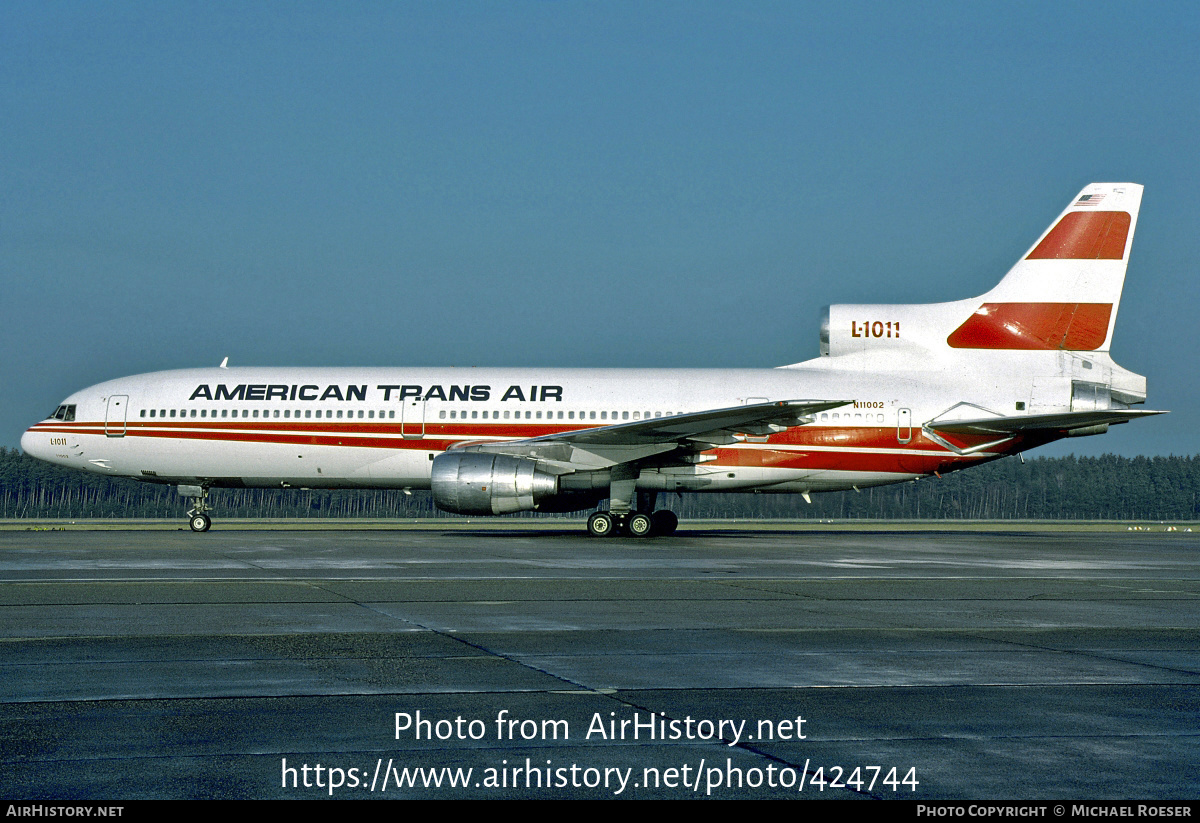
{"x":1024,"y":424}
{"x":623,"y":442}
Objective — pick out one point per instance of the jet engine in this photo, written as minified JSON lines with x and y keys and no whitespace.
{"x":467,"y":482}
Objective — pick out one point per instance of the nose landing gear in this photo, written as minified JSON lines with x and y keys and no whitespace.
{"x":198,"y":519}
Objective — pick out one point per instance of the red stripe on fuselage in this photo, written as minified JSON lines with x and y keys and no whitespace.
{"x":849,"y":448}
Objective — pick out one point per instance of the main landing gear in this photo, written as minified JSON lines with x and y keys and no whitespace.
{"x":198,"y":518}
{"x":635,"y":524}
{"x":626,"y":519}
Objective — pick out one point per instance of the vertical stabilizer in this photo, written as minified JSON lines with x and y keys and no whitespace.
{"x":1064,"y":293}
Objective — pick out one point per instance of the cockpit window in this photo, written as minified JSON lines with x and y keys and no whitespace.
{"x":65,"y":413}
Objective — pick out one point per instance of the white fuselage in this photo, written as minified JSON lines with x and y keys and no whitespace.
{"x":380,"y":427}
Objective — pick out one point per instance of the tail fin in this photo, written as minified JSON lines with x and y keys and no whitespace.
{"x":1064,"y":293}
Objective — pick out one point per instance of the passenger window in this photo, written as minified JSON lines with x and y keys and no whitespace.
{"x":143,"y":414}
{"x":592,"y":415}
{"x":307,"y":413}
{"x":624,"y":415}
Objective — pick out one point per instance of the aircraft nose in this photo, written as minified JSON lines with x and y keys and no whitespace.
{"x":34,"y":444}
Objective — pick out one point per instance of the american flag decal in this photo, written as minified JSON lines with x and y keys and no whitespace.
{"x":1089,"y":199}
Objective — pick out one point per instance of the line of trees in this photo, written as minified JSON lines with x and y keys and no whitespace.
{"x":1063,"y":488}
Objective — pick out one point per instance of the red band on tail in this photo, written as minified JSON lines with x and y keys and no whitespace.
{"x":1085,"y":235}
{"x":1034,"y":326}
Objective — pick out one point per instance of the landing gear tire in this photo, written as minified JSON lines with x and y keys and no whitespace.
{"x":665,"y":522}
{"x":601,"y":524}
{"x":639,"y":524}
{"x":198,"y":520}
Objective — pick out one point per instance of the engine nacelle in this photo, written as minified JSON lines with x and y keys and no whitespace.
{"x":851,"y":329}
{"x":466,"y":482}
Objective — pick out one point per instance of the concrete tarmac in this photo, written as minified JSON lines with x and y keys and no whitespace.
{"x":724,"y":663}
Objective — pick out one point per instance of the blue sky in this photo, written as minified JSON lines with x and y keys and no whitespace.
{"x":569,"y":184}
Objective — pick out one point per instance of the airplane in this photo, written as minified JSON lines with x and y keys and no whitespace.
{"x":899,"y":392}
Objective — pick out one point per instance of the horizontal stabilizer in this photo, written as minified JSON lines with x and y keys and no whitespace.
{"x":1024,"y":424}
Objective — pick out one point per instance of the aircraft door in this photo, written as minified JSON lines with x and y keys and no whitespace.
{"x":412,"y":418}
{"x":114,"y":415}
{"x":904,"y":426}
